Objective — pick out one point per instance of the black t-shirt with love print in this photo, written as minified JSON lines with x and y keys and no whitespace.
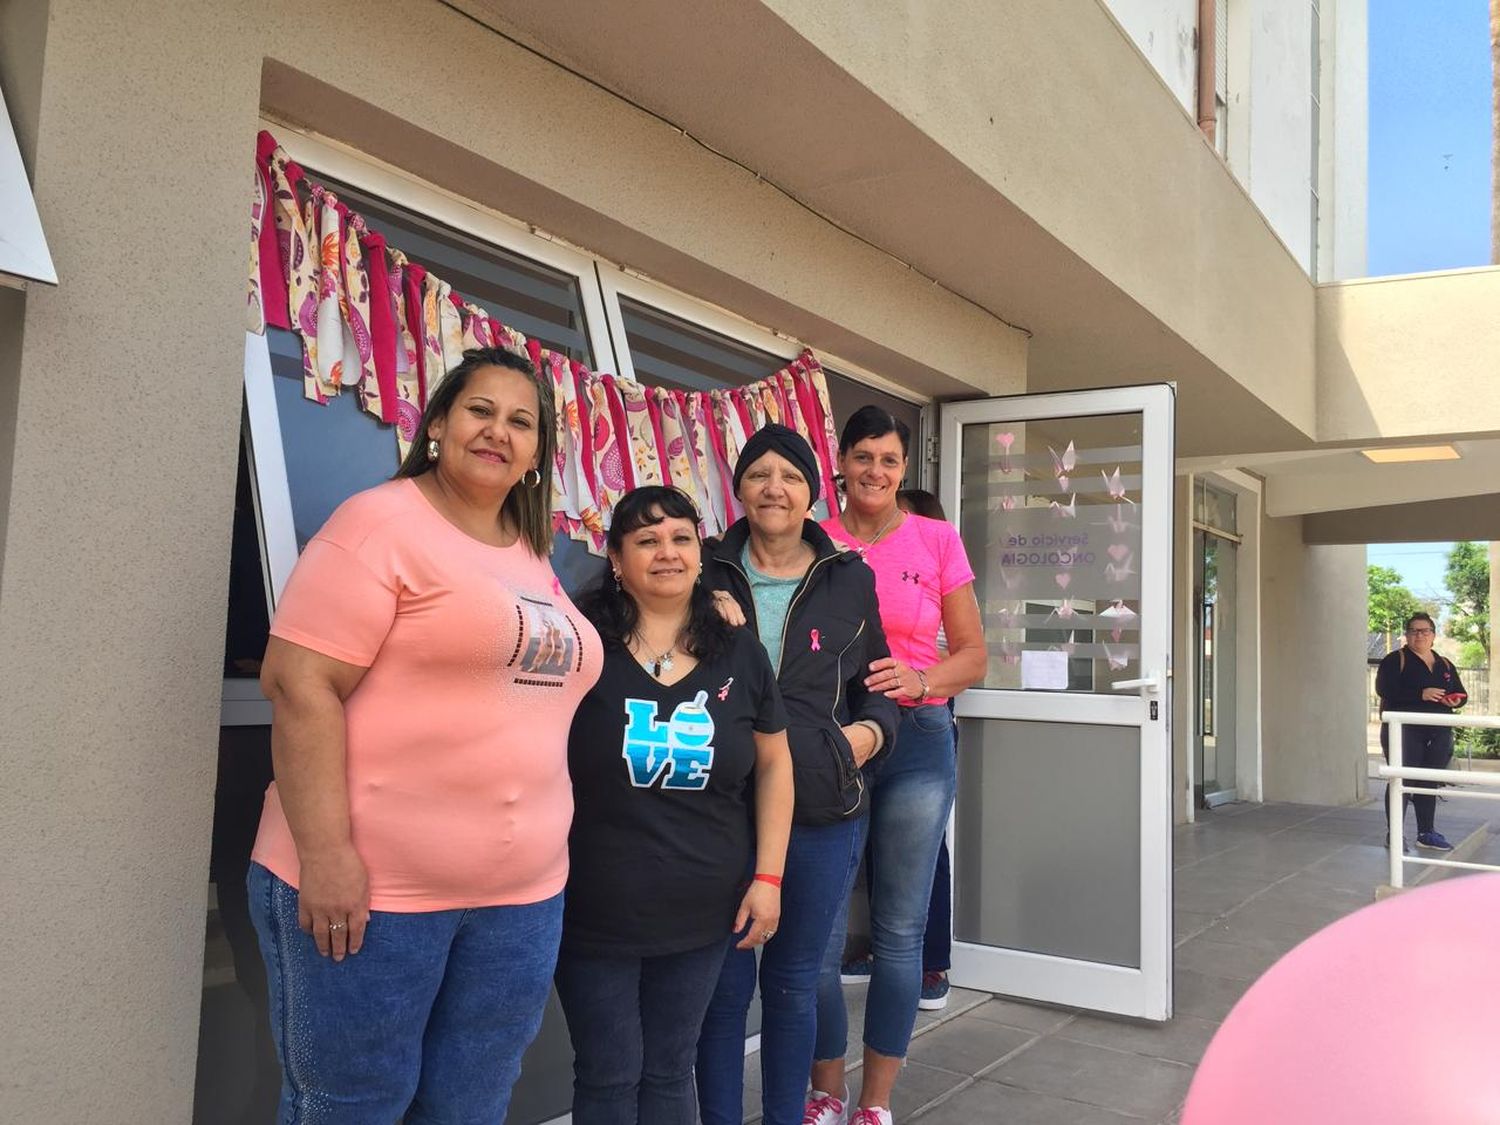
{"x":662,"y":776}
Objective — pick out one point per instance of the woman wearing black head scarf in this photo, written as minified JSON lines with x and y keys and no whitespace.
{"x":813,"y":606}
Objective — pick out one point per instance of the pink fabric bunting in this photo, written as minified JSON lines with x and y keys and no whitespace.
{"x":369,"y":318}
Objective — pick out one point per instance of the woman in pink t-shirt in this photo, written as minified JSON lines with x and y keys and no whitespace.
{"x":924,"y":585}
{"x":423,"y":670}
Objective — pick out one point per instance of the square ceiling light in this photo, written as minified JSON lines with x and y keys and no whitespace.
{"x":1403,"y":454}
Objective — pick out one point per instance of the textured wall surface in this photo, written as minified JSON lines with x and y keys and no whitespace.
{"x":1313,"y":687}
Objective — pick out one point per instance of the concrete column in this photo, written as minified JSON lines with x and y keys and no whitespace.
{"x":126,"y":391}
{"x":1313,"y":679}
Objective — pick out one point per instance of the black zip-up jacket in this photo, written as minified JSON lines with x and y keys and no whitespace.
{"x":1402,"y":676}
{"x":822,"y":677}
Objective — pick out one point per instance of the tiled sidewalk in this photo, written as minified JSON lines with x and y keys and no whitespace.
{"x":1252,"y":881}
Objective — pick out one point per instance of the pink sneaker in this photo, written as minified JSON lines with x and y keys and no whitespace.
{"x":825,"y":1109}
{"x":873,"y":1115}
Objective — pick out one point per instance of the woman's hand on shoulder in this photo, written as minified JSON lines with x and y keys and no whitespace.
{"x":729,"y":608}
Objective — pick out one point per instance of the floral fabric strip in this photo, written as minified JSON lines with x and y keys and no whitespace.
{"x":371,"y":319}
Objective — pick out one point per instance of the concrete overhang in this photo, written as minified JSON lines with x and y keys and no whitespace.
{"x":1430,"y":521}
{"x":1027,"y":158}
{"x":1343,"y":480}
{"x":1415,"y":357}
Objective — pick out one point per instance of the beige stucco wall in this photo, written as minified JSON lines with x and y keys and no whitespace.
{"x":1114,"y":167}
{"x":126,"y":387}
{"x":116,"y":548}
{"x":1409,"y":357}
{"x":1313,"y":699}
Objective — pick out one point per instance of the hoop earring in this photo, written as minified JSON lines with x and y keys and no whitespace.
{"x":535,"y":476}
{"x":432,"y":449}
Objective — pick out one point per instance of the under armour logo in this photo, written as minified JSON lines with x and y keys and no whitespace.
{"x":910,"y":576}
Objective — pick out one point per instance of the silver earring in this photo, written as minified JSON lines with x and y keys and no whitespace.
{"x":531,"y":478}
{"x":617,"y":580}
{"x":432,"y":449}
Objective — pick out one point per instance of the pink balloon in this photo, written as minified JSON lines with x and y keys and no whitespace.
{"x":1388,"y":1015}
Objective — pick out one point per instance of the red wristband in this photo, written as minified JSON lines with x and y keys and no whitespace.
{"x":774,"y":880}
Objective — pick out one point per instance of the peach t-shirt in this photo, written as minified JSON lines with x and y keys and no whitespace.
{"x":457,"y":736}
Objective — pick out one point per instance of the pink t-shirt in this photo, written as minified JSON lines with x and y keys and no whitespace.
{"x":915,"y":566}
{"x":457,"y":736}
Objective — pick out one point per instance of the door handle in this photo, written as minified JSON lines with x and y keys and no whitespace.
{"x":1147,"y":684}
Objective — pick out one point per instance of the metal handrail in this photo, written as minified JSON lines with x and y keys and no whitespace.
{"x":1397,"y":773}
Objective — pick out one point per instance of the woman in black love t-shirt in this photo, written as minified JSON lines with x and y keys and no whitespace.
{"x":664,"y":751}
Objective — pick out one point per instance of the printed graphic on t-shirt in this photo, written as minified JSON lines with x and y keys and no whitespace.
{"x":548,"y":646}
{"x":679,"y":752}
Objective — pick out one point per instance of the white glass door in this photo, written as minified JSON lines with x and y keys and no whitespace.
{"x":1062,"y":866}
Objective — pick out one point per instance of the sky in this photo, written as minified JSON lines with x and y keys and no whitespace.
{"x":1429,"y":173}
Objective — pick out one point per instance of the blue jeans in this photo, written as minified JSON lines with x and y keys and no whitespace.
{"x":428,"y":1020}
{"x":937,"y":942}
{"x":911,"y":796}
{"x":821,"y":864}
{"x":634,"y":1024}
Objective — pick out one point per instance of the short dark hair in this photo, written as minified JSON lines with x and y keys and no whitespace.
{"x":873,"y":421}
{"x":610,"y":607}
{"x":1421,"y":616}
{"x":922,"y":502}
{"x":529,"y":507}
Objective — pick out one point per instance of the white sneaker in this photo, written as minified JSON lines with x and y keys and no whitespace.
{"x":872,"y":1116}
{"x":825,"y":1109}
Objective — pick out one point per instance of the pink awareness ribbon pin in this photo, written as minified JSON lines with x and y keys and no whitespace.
{"x":816,"y":645}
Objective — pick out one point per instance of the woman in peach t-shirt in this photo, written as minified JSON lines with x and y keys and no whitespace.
{"x":423,"y":669}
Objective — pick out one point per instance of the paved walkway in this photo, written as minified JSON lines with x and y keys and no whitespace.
{"x":1252,"y":881}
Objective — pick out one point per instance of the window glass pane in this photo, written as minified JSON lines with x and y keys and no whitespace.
{"x":332,"y":450}
{"x":538,"y":301}
{"x":667,"y":351}
{"x":1214,"y":507}
{"x":1051,"y":520}
{"x":249,"y":621}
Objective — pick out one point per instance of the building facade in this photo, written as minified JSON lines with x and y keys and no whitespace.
{"x":943,"y":202}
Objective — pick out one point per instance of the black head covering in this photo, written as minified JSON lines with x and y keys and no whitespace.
{"x":776,"y":438}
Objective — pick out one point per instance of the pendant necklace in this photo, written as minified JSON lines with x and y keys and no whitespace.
{"x":879,"y":535}
{"x":661,"y":662}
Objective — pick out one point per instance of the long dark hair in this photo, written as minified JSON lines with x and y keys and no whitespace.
{"x":529,"y":507}
{"x":611,"y":608}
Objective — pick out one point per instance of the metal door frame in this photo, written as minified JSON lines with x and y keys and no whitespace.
{"x":1144,"y":992}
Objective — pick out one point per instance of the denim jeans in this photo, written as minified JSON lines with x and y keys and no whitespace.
{"x":911,"y":796}
{"x":821,"y":864}
{"x":634,"y":1024}
{"x":428,"y":1020}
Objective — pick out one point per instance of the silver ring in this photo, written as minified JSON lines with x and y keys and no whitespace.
{"x":336,"y":926}
{"x":768,"y":935}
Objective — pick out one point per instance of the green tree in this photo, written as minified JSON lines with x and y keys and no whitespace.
{"x":1390,"y":602}
{"x":1467,"y":577}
